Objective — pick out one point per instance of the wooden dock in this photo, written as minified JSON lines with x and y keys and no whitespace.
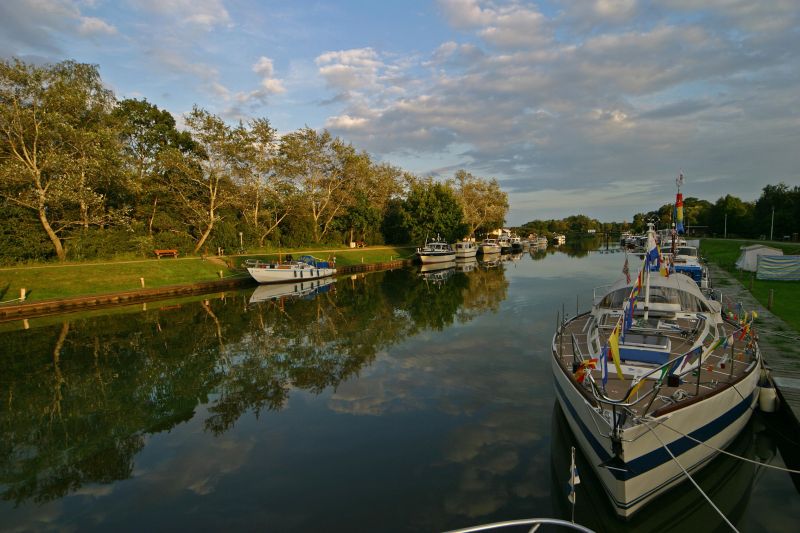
{"x":778,"y":341}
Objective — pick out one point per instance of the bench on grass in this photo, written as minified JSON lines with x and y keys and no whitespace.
{"x":166,"y":253}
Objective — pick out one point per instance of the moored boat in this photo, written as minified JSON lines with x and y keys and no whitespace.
{"x":436,"y":251}
{"x":489,"y":246}
{"x":297,"y":289}
{"x":305,"y":268}
{"x":466,"y":249}
{"x":683,"y":382}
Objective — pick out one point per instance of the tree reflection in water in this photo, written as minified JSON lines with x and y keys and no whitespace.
{"x":81,"y":396}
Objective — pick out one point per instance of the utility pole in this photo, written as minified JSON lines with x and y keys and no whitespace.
{"x":726,"y":225}
{"x":772,"y":224}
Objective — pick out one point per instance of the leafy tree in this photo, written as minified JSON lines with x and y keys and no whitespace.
{"x":54,"y":143}
{"x":432,"y":209}
{"x":321,"y":167}
{"x":484,"y":204}
{"x":782,"y":202}
{"x":202,"y":181}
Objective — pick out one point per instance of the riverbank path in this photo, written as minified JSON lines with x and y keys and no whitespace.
{"x":779,"y":343}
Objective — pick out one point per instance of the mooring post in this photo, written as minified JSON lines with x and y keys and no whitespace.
{"x":22,"y":294}
{"x":141,"y":280}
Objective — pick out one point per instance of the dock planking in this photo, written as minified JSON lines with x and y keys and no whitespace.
{"x":777,"y":340}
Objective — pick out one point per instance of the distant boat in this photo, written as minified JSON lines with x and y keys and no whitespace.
{"x":490,"y":246}
{"x":516,"y":243}
{"x":305,"y":268}
{"x":687,"y":261}
{"x":466,"y":249}
{"x":505,"y":244}
{"x":681,"y":379}
{"x":436,"y":252}
{"x":559,"y":239}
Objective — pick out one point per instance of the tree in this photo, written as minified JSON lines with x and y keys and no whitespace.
{"x":202,"y":181}
{"x":732,"y":216}
{"x":320,"y":166}
{"x":146,"y":132}
{"x":484,"y":204}
{"x":432,"y":209}
{"x":54,"y":143}
{"x":267,"y":196}
{"x":777,"y":210}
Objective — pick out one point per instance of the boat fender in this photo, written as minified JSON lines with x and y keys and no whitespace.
{"x":768,"y":398}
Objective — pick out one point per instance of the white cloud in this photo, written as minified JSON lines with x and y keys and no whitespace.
{"x":94,"y":26}
{"x":269,"y":84}
{"x":202,"y":14}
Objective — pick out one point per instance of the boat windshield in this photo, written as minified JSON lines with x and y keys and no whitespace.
{"x":687,"y":251}
{"x":689,"y":303}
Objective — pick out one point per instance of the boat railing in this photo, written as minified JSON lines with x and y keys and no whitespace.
{"x":535,"y":522}
{"x":626,"y":402}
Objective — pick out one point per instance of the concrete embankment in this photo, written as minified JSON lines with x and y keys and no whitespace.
{"x":82,"y":303}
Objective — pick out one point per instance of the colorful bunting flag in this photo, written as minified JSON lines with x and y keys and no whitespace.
{"x":613,"y":343}
{"x":604,"y":365}
{"x":574,"y":478}
{"x":585,"y":368}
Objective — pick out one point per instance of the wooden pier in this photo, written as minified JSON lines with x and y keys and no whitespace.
{"x":777,"y":340}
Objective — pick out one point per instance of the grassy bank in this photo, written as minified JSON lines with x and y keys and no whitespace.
{"x":786,"y":294}
{"x":43,"y":282}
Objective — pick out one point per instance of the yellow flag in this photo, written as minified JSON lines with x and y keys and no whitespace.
{"x":634,"y":389}
{"x":755,"y":315}
{"x":613,"y":343}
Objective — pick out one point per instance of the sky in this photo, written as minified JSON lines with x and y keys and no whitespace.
{"x":576,"y":106}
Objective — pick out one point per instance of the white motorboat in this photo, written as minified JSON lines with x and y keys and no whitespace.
{"x":686,"y":260}
{"x":305,"y":268}
{"x":490,"y":246}
{"x":465,"y":249}
{"x":683,"y":381}
{"x":436,"y":252}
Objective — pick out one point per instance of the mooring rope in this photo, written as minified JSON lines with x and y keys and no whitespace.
{"x":690,"y":477}
{"x":758,"y":463}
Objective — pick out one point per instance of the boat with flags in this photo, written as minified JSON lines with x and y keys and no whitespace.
{"x":655,"y":380}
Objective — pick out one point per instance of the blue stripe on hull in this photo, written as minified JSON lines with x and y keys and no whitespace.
{"x":659,"y":456}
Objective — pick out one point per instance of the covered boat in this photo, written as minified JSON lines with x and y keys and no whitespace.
{"x":305,"y":268}
{"x":683,"y":381}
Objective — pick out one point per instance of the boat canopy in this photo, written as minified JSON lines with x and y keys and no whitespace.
{"x":677,"y":289}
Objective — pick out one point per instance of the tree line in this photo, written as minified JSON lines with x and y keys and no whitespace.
{"x":84,"y":175}
{"x":775,"y":213}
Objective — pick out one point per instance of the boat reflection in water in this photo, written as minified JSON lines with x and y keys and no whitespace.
{"x":491,"y":260}
{"x":298,"y":289}
{"x":726,"y":480}
{"x":437,"y":272}
{"x":467,"y":264}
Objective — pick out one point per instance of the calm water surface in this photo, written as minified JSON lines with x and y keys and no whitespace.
{"x":386,"y":402}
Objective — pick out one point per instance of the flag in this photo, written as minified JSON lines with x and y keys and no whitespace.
{"x":690,"y":356}
{"x":585,"y":368}
{"x":574,"y":478}
{"x":604,"y":365}
{"x":653,"y":253}
{"x":613,"y":343}
{"x":635,"y":388}
{"x":679,"y":214}
{"x":626,"y":271}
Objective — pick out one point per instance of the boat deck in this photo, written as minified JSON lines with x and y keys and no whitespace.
{"x":716,"y":373}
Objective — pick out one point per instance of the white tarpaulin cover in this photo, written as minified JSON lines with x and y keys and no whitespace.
{"x":779,"y":267}
{"x":748,"y":259}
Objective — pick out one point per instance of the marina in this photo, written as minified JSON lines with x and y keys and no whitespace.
{"x":388,"y":400}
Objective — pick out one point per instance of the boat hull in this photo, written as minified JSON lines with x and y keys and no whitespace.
{"x":646,"y":469}
{"x":288,"y":274}
{"x":436,"y":258}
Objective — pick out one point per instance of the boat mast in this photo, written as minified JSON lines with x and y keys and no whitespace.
{"x":651,"y":234}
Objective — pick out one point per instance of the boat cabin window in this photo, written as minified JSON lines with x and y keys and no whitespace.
{"x":686,"y":250}
{"x":662,"y":295}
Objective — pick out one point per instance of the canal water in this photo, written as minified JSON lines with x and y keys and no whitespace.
{"x":391,"y":401}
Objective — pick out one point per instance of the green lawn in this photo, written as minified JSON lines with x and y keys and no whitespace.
{"x":786,"y":294}
{"x":43,"y":282}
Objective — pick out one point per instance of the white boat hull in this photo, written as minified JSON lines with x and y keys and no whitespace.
{"x":647,"y":470}
{"x":436,"y":258}
{"x":288,"y":273}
